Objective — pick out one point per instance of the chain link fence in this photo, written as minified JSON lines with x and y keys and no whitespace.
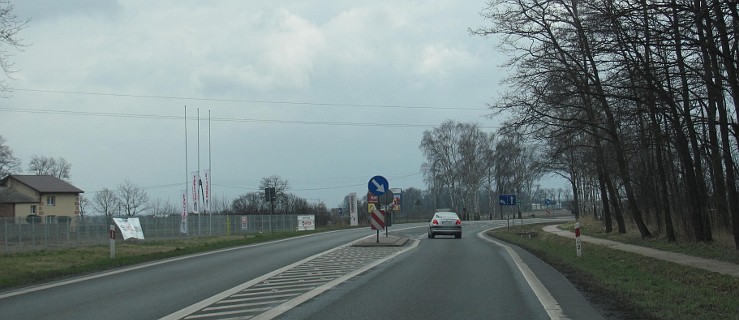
{"x":18,"y":235}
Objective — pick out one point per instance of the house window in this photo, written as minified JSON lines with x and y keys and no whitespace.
{"x":33,"y":209}
{"x":51,"y":201}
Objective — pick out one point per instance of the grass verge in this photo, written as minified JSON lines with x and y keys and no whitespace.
{"x":647,"y":288}
{"x":20,"y":269}
{"x":723,"y":249}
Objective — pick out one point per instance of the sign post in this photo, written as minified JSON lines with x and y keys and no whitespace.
{"x":378,"y":186}
{"x":578,"y":244}
{"x":112,"y":241}
{"x":507,"y":200}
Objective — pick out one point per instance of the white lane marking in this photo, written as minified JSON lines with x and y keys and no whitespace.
{"x":141,"y":266}
{"x":276,"y":311}
{"x":288,"y":305}
{"x":551,"y":306}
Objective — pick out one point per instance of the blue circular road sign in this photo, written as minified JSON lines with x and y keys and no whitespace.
{"x":378,"y":185}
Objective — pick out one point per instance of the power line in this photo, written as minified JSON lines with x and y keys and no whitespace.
{"x":234,"y":120}
{"x":304,"y":103}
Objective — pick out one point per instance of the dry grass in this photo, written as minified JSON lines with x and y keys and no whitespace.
{"x":722,"y":248}
{"x":636,"y":287}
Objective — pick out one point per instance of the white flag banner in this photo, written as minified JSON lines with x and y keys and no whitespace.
{"x":195,"y":177}
{"x":206,"y":189}
{"x":183,"y":222}
{"x":353,"y":219}
{"x":130,"y":228}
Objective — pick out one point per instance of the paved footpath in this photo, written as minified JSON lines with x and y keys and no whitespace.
{"x":722,"y":267}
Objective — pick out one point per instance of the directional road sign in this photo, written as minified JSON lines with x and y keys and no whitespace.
{"x":507,"y":199}
{"x":378,"y":185}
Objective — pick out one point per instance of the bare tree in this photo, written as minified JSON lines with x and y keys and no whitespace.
{"x":10,"y":26}
{"x":43,"y":165}
{"x":105,"y":202}
{"x":83,"y":205}
{"x":9,"y":164}
{"x":250,"y":203}
{"x":220,"y":205}
{"x":159,"y":207}
{"x":282,"y":203}
{"x":132,"y":198}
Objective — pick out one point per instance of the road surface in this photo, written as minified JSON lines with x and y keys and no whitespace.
{"x":321,"y":276}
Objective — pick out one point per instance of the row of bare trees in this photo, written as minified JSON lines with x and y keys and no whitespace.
{"x":127,"y":199}
{"x":634,"y":99}
{"x":464,"y":163}
{"x":285,"y":202}
{"x":39,"y":164}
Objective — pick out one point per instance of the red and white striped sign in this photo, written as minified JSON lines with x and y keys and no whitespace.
{"x":377,"y":220}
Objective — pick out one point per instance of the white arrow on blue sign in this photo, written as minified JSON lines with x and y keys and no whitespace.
{"x":378,"y":185}
{"x":507,"y":199}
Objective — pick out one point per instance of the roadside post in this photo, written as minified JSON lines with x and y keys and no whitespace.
{"x":507,"y":200}
{"x":378,"y":186}
{"x":578,"y":245}
{"x":112,"y":241}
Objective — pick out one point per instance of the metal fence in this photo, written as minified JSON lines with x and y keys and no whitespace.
{"x":17,"y":235}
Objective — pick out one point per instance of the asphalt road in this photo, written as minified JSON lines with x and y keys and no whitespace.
{"x":442,"y":278}
{"x":447,"y":278}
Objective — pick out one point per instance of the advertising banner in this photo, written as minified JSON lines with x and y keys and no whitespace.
{"x":306,"y":222}
{"x":353,"y":217}
{"x":395,"y":205}
{"x":244,"y":223}
{"x":195,"y":179}
{"x":130,"y":228}
{"x":206,"y":189}
{"x":183,"y":214}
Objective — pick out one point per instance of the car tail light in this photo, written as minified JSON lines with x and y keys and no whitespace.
{"x":459,"y":221}
{"x":435,"y":222}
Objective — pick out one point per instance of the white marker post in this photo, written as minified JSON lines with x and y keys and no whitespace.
{"x":578,"y":245}
{"x":112,"y":241}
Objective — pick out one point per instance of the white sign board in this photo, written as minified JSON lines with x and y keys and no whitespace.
{"x":306,"y":223}
{"x":130,"y":228}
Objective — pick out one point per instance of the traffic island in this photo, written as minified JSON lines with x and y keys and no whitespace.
{"x":389,"y":241}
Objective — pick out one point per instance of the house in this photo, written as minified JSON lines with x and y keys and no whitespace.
{"x":38,"y":195}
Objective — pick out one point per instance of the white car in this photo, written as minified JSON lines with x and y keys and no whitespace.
{"x":445,"y":223}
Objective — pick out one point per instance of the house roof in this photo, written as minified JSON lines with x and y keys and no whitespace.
{"x":11,"y":196}
{"x":45,"y":183}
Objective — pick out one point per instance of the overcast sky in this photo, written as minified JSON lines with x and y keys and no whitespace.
{"x":325,"y":94}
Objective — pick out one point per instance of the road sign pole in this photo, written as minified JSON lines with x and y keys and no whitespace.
{"x":578,"y":244}
{"x":112,"y":241}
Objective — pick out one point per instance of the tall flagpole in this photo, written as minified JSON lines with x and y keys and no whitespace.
{"x":187,"y":175}
{"x":210,"y":181}
{"x":199,"y":182}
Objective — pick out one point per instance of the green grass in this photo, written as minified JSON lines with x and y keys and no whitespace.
{"x":21,"y":269}
{"x":721,"y":249}
{"x":647,"y":288}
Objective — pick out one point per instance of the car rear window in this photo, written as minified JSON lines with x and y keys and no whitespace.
{"x":446,"y":215}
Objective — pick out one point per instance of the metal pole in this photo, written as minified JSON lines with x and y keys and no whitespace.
{"x":199,"y":168}
{"x":112,"y":241}
{"x":210,"y":179}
